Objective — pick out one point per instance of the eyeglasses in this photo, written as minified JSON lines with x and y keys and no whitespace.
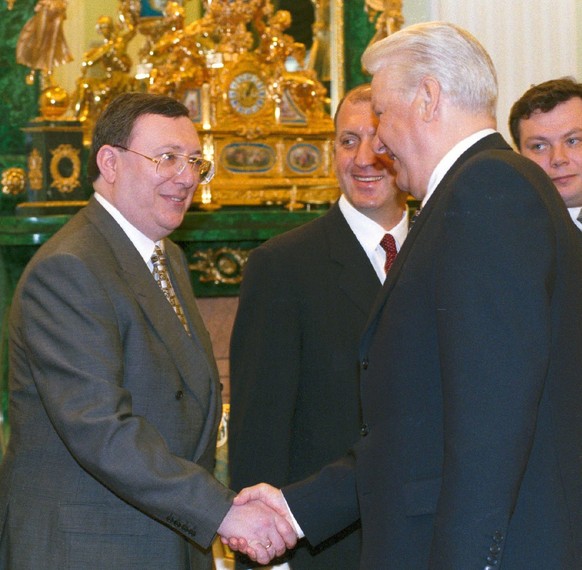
{"x":171,"y":164}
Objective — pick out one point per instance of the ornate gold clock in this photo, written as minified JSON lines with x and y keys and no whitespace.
{"x":247,"y":93}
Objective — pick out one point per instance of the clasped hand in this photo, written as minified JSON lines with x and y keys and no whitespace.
{"x":258,"y":524}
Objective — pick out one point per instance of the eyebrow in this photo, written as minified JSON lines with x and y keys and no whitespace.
{"x":576,"y":130}
{"x":174,"y":149}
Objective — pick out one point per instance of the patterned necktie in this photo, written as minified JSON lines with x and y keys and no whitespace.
{"x":389,"y":246}
{"x":160,"y":273}
{"x":414,"y":218}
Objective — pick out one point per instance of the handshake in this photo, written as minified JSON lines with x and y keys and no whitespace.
{"x":259,"y":524}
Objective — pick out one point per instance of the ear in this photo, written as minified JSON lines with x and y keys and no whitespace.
{"x":107,"y":161}
{"x":429,"y":97}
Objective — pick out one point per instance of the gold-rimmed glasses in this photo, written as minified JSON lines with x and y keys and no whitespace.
{"x":171,"y":164}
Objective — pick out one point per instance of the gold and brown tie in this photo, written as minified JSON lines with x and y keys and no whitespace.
{"x":160,"y":273}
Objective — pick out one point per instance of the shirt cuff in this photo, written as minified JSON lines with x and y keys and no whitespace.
{"x":294,"y":523}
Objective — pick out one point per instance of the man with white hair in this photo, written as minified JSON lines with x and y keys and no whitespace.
{"x":471,"y":364}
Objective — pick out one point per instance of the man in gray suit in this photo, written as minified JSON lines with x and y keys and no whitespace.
{"x":546,"y":126}
{"x":305,"y":299}
{"x":114,"y":393}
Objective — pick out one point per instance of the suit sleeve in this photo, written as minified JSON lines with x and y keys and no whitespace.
{"x":493,"y":289}
{"x":73,"y":339}
{"x":325,"y":503}
{"x":265,"y":361}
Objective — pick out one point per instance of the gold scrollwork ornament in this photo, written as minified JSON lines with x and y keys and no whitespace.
{"x":220,"y":266}
{"x":65,"y":152}
{"x":35,"y":170}
{"x":13,"y":181}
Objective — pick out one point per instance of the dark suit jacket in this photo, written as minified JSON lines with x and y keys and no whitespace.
{"x":114,"y":412}
{"x":304,"y":301}
{"x":471,"y":375}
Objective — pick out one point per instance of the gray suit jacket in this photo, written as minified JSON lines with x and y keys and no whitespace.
{"x":114,"y":412}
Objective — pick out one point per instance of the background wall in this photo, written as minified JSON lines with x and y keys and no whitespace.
{"x":530,"y":41}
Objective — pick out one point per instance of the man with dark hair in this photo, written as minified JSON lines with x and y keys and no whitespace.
{"x":546,"y":126}
{"x":304,"y":301}
{"x":114,"y":392}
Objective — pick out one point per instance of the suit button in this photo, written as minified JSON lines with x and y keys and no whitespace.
{"x":364,"y":430}
{"x":179,"y":395}
{"x":365,"y":364}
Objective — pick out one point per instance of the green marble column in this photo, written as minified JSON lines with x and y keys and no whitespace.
{"x":358,"y":32}
{"x":18,"y":101}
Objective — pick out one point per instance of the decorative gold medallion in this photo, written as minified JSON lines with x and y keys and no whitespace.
{"x":220,"y":266}
{"x":13,"y":181}
{"x":65,"y":168}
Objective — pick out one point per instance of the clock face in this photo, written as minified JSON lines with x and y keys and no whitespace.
{"x":247,"y":93}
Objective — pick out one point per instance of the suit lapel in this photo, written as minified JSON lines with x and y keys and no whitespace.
{"x":188,"y":355}
{"x":490,"y":142}
{"x":357,"y":278}
{"x":205,"y":391}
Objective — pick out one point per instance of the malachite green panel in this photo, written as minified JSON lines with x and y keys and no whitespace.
{"x":358,"y":31}
{"x":18,"y":101}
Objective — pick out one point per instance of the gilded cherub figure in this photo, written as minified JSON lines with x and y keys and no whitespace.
{"x":169,"y":34}
{"x":275,"y":46}
{"x":104,"y":72}
{"x":388,"y":15}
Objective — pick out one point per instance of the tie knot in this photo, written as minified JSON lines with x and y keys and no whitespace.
{"x":158,"y":257}
{"x":388,"y":243}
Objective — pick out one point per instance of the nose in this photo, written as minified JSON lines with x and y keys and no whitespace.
{"x":558,"y":156}
{"x":365,"y":155}
{"x":188,"y":177}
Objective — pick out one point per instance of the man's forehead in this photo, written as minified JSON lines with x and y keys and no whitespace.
{"x":566,"y":116}
{"x":570,"y":109}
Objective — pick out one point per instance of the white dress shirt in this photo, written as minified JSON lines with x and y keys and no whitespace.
{"x":369,"y":233}
{"x":144,"y":245}
{"x":575,"y":214}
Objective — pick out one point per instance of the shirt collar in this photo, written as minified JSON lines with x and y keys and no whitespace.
{"x":450,"y":158}
{"x":143,"y":244}
{"x":367,"y":231}
{"x":574,"y":214}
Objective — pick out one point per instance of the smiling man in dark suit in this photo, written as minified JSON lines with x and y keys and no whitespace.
{"x":304,"y":302}
{"x":114,"y":393}
{"x":471,"y":362}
